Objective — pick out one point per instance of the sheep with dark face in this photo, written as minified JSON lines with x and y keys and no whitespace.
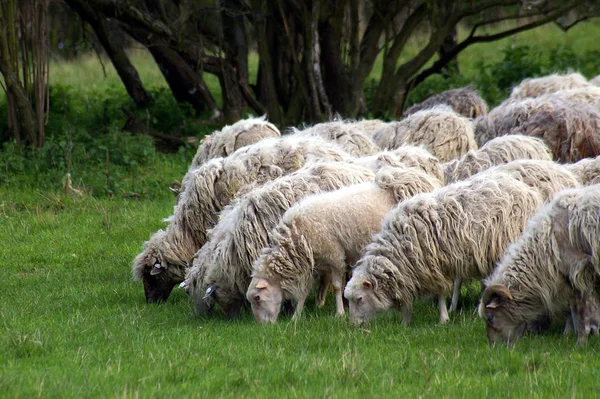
{"x":325,"y":233}
{"x":231,"y":138}
{"x":498,"y":151}
{"x":440,"y":130}
{"x":206,"y":190}
{"x":554,"y":264}
{"x":465,"y":101}
{"x":221,"y":270}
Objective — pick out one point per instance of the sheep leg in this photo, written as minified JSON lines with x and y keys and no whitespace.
{"x":443,"y":309}
{"x":455,"y":294}
{"x":323,"y":289}
{"x":579,"y":323}
{"x":299,"y":306}
{"x":337,"y":280}
{"x":406,"y":314}
{"x":569,"y":323}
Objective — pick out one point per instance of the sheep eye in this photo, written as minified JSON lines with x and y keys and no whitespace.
{"x":489,"y":317}
{"x":257,"y":298}
{"x":358,"y":300}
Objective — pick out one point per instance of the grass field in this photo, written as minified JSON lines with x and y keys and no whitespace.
{"x":74,"y":324}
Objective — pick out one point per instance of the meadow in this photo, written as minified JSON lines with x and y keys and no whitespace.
{"x":73,"y":323}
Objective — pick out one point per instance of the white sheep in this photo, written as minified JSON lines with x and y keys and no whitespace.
{"x":535,"y":87}
{"x":443,"y":132}
{"x":346,"y":135}
{"x":587,"y":170}
{"x":554,"y":262}
{"x":206,"y":190}
{"x":221,"y":269}
{"x":323,"y":234}
{"x":230,"y":138}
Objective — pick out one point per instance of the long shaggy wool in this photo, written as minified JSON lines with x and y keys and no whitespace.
{"x":498,"y":151}
{"x":465,"y":101}
{"x":571,"y":131}
{"x":206,"y":190}
{"x":346,"y":135}
{"x":406,"y":155}
{"x":559,"y":251}
{"x":595,"y":81}
{"x":440,"y":130}
{"x":587,"y":170}
{"x":589,"y":95}
{"x":457,"y":231}
{"x":535,"y":87}
{"x":236,"y":241}
{"x":226,"y":141}
{"x":369,"y":126}
{"x":329,"y":230}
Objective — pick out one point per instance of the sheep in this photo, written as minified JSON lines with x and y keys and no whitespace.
{"x":456,"y":232}
{"x":572,"y":131}
{"x":322,"y":234}
{"x":369,"y":126}
{"x":495,"y":152}
{"x":406,"y":155}
{"x":555,"y":262}
{"x":206,"y":190}
{"x":535,"y":87}
{"x":242,"y":133}
{"x":595,"y":81}
{"x":221,"y":269}
{"x":347,"y":136}
{"x":589,"y":95}
{"x":443,"y":132}
{"x":587,"y":170}
{"x":465,"y":101}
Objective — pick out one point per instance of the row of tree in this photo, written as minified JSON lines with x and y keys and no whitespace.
{"x":314,"y":56}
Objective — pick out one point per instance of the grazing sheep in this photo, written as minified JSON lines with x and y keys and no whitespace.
{"x":323,"y":234}
{"x":548,"y":84}
{"x":205,"y":191}
{"x":346,"y":135}
{"x":555,"y":262}
{"x":587,"y":170}
{"x":464,"y":101}
{"x":242,"y":133}
{"x":498,"y":151}
{"x":457,"y":231}
{"x":407,"y":155}
{"x":369,"y":126}
{"x":221,"y":269}
{"x":571,"y":131}
{"x":443,"y":132}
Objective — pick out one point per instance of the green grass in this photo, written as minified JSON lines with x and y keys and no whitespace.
{"x":74,"y":324}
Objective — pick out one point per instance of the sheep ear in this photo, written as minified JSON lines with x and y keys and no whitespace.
{"x":156,"y":269}
{"x":495,"y":296}
{"x":209,"y":291}
{"x":367,"y":284}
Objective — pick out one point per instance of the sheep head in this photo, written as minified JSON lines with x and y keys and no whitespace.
{"x":265,"y":299}
{"x":362,"y":302}
{"x":230,"y":301}
{"x":495,"y":310}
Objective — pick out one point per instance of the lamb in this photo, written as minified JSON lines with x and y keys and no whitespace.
{"x":465,"y":101}
{"x":555,"y":262}
{"x":242,"y":133}
{"x":221,"y":269}
{"x":346,"y":135}
{"x":432,"y":239}
{"x":443,"y":132}
{"x":406,"y":155}
{"x":323,"y":234}
{"x":206,"y":190}
{"x":495,"y":152}
{"x":548,"y":84}
{"x":587,"y":170}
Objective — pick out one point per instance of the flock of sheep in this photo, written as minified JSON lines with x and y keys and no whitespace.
{"x":386,"y":213}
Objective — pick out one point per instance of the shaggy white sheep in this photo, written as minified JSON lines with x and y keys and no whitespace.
{"x":206,"y":190}
{"x":221,"y":269}
{"x":443,"y":132}
{"x":226,"y":141}
{"x":587,"y":170}
{"x":535,"y":87}
{"x":465,"y":101}
{"x":346,"y":135}
{"x":495,"y":152}
{"x":323,"y":234}
{"x":556,"y":260}
{"x":457,"y":231}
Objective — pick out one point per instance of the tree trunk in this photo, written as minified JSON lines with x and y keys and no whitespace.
{"x":127,"y":72}
{"x":234,"y":32}
{"x":186,"y":85}
{"x":449,"y":44}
